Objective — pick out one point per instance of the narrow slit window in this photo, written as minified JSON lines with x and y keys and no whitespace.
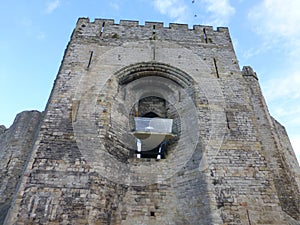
{"x":227,"y":121}
{"x":216,"y":68}
{"x":153,"y":33}
{"x":90,"y":60}
{"x":205,"y":35}
{"x":102,"y":28}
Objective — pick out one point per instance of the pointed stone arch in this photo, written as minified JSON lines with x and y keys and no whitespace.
{"x":143,"y":69}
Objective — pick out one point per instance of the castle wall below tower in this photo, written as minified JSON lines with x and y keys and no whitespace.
{"x":15,"y":148}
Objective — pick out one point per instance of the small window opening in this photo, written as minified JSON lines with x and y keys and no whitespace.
{"x":227,"y":121}
{"x":152,"y":213}
{"x":248,"y":217}
{"x":90,"y":59}
{"x":102,"y":28}
{"x":205,"y":35}
{"x":216,"y":67}
{"x":153,"y":33}
{"x":231,"y":120}
{"x":150,"y":115}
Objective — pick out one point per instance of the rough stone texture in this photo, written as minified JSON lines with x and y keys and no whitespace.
{"x":15,"y":147}
{"x":278,"y":152}
{"x":230,"y":163}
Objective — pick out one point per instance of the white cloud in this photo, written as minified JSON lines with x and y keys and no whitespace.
{"x":280,"y":17}
{"x":251,"y":52}
{"x":289,"y":109}
{"x":219,"y":11}
{"x":175,"y":9}
{"x":288,"y":114}
{"x":53,"y":5}
{"x":276,"y":21}
{"x":287,"y":86}
{"x":295,"y":141}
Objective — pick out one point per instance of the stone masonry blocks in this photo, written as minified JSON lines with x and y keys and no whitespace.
{"x":230,"y":162}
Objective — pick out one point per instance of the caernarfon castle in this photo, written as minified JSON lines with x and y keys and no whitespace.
{"x":148,"y":124}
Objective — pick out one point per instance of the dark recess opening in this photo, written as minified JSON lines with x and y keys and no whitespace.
{"x":150,"y":115}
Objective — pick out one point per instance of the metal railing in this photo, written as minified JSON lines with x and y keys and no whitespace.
{"x":157,"y":125}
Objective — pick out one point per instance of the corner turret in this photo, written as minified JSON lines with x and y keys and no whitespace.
{"x":248,"y":71}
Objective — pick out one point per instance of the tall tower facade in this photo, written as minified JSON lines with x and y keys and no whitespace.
{"x":149,"y":124}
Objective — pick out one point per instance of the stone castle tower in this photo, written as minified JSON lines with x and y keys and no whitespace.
{"x":149,"y":124}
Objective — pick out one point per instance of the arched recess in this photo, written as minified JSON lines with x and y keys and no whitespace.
{"x":171,"y":89}
{"x":144,"y":69}
{"x":108,"y":91}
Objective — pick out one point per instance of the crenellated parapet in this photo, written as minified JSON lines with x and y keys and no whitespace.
{"x":213,"y":46}
{"x":129,"y":29}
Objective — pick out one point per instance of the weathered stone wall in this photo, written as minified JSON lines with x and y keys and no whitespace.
{"x":15,"y":147}
{"x":83,"y":169}
{"x":277,"y":150}
{"x":288,"y":175}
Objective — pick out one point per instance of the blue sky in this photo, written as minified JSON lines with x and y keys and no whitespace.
{"x":265,"y":33}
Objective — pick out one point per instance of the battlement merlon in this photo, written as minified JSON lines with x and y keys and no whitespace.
{"x":149,"y":24}
{"x":202,"y":33}
{"x":248,"y":71}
